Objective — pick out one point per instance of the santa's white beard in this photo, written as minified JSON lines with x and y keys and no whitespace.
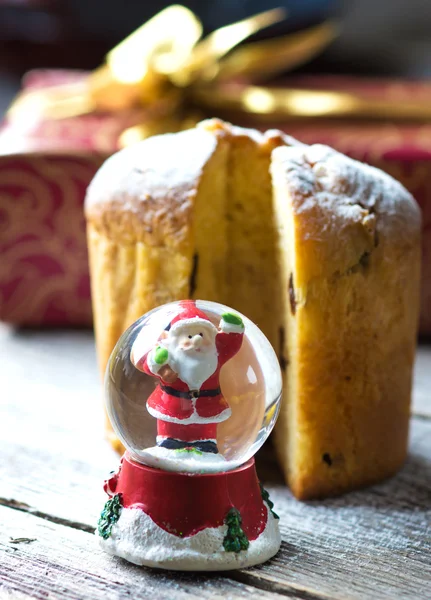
{"x":192,"y":367}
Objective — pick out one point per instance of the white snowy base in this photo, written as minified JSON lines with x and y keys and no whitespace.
{"x":186,"y":462}
{"x":139,"y":540}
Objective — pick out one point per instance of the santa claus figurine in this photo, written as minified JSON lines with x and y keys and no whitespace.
{"x":188,"y":402}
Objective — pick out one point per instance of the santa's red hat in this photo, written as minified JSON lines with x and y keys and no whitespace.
{"x":190,"y":315}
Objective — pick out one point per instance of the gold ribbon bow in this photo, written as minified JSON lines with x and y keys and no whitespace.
{"x":166,"y":66}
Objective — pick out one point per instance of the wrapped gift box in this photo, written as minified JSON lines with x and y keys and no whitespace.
{"x":46,"y":166}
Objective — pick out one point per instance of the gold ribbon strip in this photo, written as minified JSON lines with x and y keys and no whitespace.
{"x":269,"y":103}
{"x":164,"y":65}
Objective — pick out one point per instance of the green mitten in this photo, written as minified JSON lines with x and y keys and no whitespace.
{"x":160,"y":355}
{"x":232,"y":319}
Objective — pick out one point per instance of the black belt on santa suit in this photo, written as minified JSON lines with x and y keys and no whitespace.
{"x":191,"y":394}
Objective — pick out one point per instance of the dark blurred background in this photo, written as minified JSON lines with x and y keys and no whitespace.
{"x":378,"y":37}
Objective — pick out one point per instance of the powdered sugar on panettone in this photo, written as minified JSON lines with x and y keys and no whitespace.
{"x":151,"y":168}
{"x":350,"y":189}
{"x":146,"y":191}
{"x":139,"y":540}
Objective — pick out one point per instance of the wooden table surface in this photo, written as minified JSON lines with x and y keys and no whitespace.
{"x":368,"y":544}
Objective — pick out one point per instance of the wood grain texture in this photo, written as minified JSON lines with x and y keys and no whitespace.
{"x":64,"y":563}
{"x":374,"y":543}
{"x":368,"y":544}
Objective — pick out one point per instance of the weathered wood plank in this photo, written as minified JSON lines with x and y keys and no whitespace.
{"x":66,"y":489}
{"x":65,"y":563}
{"x":51,"y":394}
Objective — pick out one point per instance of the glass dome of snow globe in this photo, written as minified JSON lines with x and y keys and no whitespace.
{"x":193,"y":387}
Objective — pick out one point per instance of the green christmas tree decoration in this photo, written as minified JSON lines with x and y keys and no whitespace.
{"x":189,"y":451}
{"x":232,"y":319}
{"x":235,"y":539}
{"x":266,"y":498}
{"x":109,"y":516}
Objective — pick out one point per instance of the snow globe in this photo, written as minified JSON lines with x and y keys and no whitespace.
{"x":193,"y":390}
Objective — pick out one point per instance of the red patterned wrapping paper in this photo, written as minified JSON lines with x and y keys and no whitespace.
{"x":43,"y":271}
{"x":45,"y":168}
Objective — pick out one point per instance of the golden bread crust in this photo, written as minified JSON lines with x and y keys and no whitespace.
{"x":342,"y":203}
{"x":145,"y":192}
{"x":350,"y":236}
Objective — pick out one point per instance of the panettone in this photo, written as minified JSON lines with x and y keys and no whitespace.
{"x":329,"y":270}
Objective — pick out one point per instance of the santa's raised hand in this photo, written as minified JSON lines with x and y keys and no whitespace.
{"x":158,"y":363}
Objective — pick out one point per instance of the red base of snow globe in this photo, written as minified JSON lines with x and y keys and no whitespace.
{"x":184,"y":521}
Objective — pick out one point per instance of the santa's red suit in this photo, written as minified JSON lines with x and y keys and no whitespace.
{"x":188,"y":410}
